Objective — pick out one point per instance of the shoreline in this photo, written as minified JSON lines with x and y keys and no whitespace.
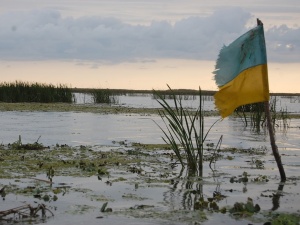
{"x":165,"y":91}
{"x":96,"y":108}
{"x":85,"y":108}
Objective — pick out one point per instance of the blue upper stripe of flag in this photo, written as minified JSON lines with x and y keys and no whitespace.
{"x":247,"y":51}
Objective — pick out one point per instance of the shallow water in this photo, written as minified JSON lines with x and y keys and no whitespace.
{"x":106,"y":131}
{"x":170,"y":203}
{"x":291,"y":104}
{"x":75,"y":129}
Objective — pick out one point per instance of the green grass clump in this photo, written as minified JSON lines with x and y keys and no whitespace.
{"x":19,"y":91}
{"x":286,"y":219}
{"x":184,"y":131}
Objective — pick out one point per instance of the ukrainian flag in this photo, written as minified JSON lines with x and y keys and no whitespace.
{"x":241,"y":72}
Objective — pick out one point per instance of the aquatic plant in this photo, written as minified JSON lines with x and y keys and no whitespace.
{"x":50,"y":174}
{"x":19,"y":91}
{"x":286,"y":219}
{"x":104,"y":208}
{"x":18,"y":145}
{"x":255,"y":113}
{"x":241,"y":209}
{"x":211,"y":203}
{"x":214,"y":157}
{"x":103,"y":96}
{"x":242,"y":178}
{"x":185,"y":131}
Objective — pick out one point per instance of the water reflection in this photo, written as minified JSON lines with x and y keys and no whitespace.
{"x":187,"y":188}
{"x":194,"y":193}
{"x":276,"y":197}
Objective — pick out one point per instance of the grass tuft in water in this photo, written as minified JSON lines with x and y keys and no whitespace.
{"x":104,"y":96}
{"x":254,"y":114}
{"x":184,"y":131}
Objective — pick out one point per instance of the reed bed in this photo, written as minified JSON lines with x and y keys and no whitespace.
{"x":104,"y":96}
{"x":19,"y":91}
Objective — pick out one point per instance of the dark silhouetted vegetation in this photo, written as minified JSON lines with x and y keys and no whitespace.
{"x":104,"y":96}
{"x":19,"y":91}
{"x":255,"y":115}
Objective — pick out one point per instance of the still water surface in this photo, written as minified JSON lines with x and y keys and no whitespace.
{"x":75,"y":129}
{"x":97,"y":129}
{"x":290,"y":104}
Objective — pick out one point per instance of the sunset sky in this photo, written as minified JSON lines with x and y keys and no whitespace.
{"x":141,"y":44}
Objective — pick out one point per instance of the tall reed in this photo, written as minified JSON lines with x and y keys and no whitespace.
{"x":255,"y":113}
{"x":19,"y":91}
{"x":184,"y":131}
{"x":279,"y":118}
{"x":103,"y":96}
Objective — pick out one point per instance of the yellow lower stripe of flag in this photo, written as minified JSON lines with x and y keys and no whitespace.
{"x":250,"y":86}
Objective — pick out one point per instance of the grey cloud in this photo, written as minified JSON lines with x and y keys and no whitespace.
{"x":283,"y":44}
{"x":45,"y":34}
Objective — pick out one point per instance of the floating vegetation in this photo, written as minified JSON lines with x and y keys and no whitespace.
{"x":260,"y":178}
{"x":286,"y":219}
{"x":241,"y":179}
{"x":129,"y":173}
{"x":259,"y":164}
{"x":17,"y":145}
{"x":241,"y":209}
{"x":250,"y":151}
{"x":58,"y":160}
{"x":211,"y":204}
{"x":34,"y":92}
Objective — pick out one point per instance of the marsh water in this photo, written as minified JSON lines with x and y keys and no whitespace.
{"x":73,"y":128}
{"x":168,"y":203}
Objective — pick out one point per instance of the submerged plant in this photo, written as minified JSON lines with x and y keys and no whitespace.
{"x":185,"y":131}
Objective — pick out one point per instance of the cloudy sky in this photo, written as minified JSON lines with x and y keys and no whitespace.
{"x":141,"y":44}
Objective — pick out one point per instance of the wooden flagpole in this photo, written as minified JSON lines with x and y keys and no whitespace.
{"x":271,"y":134}
{"x":273,"y":144}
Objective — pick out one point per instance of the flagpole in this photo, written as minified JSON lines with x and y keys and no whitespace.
{"x":273,"y":144}
{"x":271,"y":134}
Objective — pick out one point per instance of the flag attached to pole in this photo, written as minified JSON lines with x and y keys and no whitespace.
{"x":241,"y":72}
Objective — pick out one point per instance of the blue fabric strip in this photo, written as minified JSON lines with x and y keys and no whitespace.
{"x":247,"y":51}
